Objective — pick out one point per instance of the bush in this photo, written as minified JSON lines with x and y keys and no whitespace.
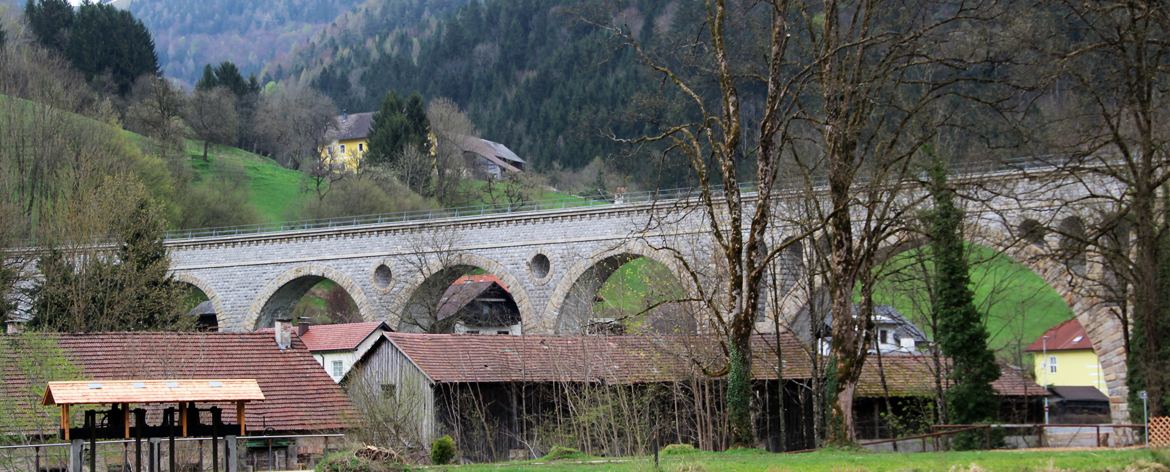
{"x":561,"y":453}
{"x":443,"y":450}
{"x":679,"y":450}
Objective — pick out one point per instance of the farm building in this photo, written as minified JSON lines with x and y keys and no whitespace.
{"x":610,"y":394}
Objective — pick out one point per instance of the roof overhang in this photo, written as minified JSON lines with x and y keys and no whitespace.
{"x":151,"y":391}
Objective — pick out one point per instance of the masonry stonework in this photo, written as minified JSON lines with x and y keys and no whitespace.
{"x":554,"y":261}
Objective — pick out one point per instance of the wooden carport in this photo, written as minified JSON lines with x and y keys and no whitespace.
{"x":120,"y":394}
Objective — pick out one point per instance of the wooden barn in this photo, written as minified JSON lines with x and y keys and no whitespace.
{"x":511,"y":397}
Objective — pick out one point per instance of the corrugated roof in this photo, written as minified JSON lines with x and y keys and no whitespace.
{"x":340,"y":337}
{"x":448,"y":358}
{"x":298,"y":394}
{"x":490,"y":150}
{"x":151,"y":391}
{"x":1080,"y":394}
{"x":1067,"y":336}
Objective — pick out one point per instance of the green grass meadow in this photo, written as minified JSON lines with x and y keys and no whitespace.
{"x":275,"y":190}
{"x":1018,"y":304}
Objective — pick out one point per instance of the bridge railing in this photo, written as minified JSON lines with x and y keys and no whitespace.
{"x":563,"y":203}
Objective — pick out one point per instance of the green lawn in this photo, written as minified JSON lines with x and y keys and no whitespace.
{"x":635,"y":284}
{"x":838,"y":461}
{"x":1019,"y":304}
{"x":275,"y":189}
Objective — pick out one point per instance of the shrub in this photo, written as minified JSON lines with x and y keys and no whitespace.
{"x":679,"y":450}
{"x":560,"y":453}
{"x":443,"y":450}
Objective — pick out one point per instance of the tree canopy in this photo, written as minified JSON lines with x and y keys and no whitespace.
{"x":396,"y":126}
{"x":101,"y":41}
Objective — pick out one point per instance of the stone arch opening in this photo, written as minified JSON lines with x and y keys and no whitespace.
{"x":466,"y":294}
{"x":1094,"y":313}
{"x":333,"y":298}
{"x":201,"y":302}
{"x":1018,"y":303}
{"x":623,"y":292}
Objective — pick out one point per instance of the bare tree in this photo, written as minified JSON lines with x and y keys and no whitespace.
{"x":433,"y":259}
{"x":450,"y":126}
{"x":212,"y":117}
{"x":1101,"y":67}
{"x":293,"y":125}
{"x":159,"y":114}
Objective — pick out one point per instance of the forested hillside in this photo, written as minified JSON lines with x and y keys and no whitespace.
{"x":531,"y":73}
{"x":250,"y":33}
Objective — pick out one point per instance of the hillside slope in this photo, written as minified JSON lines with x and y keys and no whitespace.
{"x":530,"y":73}
{"x":249,"y":33}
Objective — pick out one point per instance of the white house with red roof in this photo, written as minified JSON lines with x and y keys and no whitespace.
{"x":338,"y":346}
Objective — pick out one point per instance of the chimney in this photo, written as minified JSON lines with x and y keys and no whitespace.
{"x":15,"y":327}
{"x":303,"y":326}
{"x":283,"y":331}
{"x":344,"y":116}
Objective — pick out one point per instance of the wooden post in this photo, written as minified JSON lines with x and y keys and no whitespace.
{"x":183,"y":417}
{"x":65,"y":420}
{"x":126,"y":419}
{"x":240,"y":416}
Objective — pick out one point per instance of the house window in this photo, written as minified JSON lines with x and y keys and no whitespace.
{"x":343,"y":149}
{"x":1052,"y":364}
{"x":361,"y":147}
{"x":503,"y":332}
{"x":337,"y":369}
{"x":388,"y":390}
{"x":472,"y":332}
{"x":883,"y":336}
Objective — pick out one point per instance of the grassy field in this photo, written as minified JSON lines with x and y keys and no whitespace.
{"x":1019,"y":305}
{"x":838,"y":461}
{"x":275,"y":189}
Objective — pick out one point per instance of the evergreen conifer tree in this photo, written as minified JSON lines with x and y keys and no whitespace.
{"x":49,"y":21}
{"x":208,"y":81}
{"x":397,"y":125}
{"x":961,"y":334}
{"x":104,"y":39}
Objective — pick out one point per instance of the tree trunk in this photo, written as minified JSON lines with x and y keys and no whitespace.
{"x":739,"y":389}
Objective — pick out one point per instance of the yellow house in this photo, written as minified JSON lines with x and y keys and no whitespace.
{"x":1064,"y":357}
{"x":348,"y":140}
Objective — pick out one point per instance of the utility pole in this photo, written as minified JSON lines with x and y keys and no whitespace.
{"x":1045,"y":365}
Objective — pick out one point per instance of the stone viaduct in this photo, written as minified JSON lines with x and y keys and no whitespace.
{"x":554,"y":261}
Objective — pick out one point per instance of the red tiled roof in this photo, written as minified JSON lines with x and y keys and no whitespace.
{"x":299,"y":395}
{"x":614,"y":359}
{"x":448,"y":358}
{"x":910,"y":376}
{"x":339,"y":337}
{"x":1066,"y":336}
